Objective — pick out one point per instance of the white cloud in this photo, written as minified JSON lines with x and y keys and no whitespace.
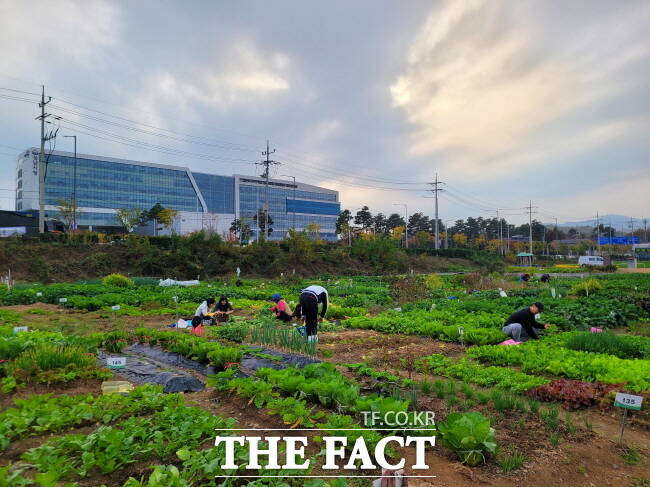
{"x":244,"y":75}
{"x":45,"y":34}
{"x":479,"y":89}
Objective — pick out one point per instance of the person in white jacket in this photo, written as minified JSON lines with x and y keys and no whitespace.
{"x":204,"y":310}
{"x":310,"y":298}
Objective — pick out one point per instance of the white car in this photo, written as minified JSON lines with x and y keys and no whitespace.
{"x":593,"y":260}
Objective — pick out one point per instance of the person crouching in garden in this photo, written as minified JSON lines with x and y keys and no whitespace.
{"x":521,"y":325}
{"x":197,"y":327}
{"x":310,"y":298}
{"x":281,"y":308}
{"x":203,"y":312}
{"x":223,"y":310}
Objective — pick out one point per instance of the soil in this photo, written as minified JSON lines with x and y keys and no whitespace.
{"x":73,"y":388}
{"x":380,"y":349}
{"x":19,"y":447}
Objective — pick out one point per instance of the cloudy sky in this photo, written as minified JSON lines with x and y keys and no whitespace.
{"x":507,"y":101}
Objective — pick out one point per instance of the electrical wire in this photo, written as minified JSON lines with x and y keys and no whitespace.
{"x":147,"y":145}
{"x":183,"y":137}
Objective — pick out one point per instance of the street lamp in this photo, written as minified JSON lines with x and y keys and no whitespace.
{"x":74,"y":183}
{"x":406,"y":223}
{"x":294,"y":198}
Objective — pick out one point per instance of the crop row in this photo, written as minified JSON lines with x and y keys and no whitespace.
{"x":476,"y":329}
{"x":175,"y":432}
{"x":41,"y":414}
{"x":544,"y":356}
{"x":499,"y":377}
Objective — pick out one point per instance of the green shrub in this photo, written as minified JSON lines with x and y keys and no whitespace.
{"x":585,"y":288}
{"x":117,"y":280}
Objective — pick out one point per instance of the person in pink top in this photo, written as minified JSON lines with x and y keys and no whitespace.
{"x":281,"y":308}
{"x":197,"y":326}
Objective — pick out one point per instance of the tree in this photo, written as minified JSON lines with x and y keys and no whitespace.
{"x":605,"y":231}
{"x":314,"y":230}
{"x":397,"y":233}
{"x":260,"y":221}
{"x":129,"y":218}
{"x":241,"y":230}
{"x":394,"y":220}
{"x":379,"y":222}
{"x":68,"y":211}
{"x":422,"y":238}
{"x":343,"y":221}
{"x":418,"y":222}
{"x":299,"y":246}
{"x":364,"y":218}
{"x":459,"y":239}
{"x":166,"y":216}
{"x":151,"y":214}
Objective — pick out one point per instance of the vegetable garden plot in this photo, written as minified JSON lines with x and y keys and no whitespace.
{"x":290,"y":398}
{"x":142,"y":370}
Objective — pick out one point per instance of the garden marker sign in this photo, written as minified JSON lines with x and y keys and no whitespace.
{"x":116,"y":362}
{"x":628,"y":401}
{"x":19,"y":329}
{"x":63,"y":300}
{"x":116,"y":307}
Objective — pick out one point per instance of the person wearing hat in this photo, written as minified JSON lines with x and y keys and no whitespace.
{"x":281,"y":308}
{"x":521,"y":325}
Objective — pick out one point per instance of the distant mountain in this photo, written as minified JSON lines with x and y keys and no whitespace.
{"x":617,"y":221}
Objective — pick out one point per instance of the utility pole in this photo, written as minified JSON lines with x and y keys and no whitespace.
{"x":645,"y":229}
{"x":632,"y":226}
{"x":41,"y":162}
{"x":598,"y":231}
{"x":74,"y":183}
{"x":435,"y":191}
{"x":530,"y":227}
{"x":500,"y":234}
{"x":266,"y":163}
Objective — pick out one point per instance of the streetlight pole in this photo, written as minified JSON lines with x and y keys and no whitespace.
{"x":74,"y":183}
{"x":294,"y":199}
{"x":406,"y":223}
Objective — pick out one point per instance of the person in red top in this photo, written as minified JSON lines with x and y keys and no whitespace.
{"x":197,"y":326}
{"x":281,"y":308}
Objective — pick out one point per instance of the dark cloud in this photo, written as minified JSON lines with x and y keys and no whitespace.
{"x":506,"y":101}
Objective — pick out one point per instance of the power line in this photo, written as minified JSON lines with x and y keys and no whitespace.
{"x":183,"y":137}
{"x":112,"y":137}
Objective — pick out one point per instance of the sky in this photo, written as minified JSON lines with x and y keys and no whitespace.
{"x":507,"y":102}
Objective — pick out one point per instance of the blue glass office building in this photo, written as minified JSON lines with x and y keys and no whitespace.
{"x":103,"y":185}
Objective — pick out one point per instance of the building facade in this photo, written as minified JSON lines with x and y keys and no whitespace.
{"x":102,"y":185}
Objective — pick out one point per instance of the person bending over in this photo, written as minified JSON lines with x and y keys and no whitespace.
{"x":204,"y":311}
{"x":281,"y":308}
{"x":521,"y":325}
{"x":310,"y":298}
